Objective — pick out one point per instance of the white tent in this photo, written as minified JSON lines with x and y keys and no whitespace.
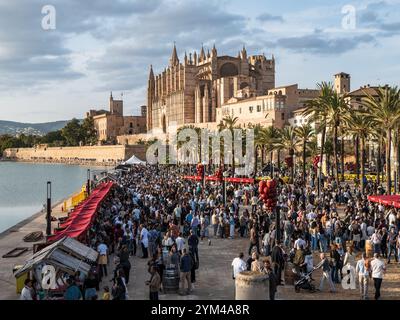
{"x":133,"y":160}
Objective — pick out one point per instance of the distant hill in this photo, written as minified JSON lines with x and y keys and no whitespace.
{"x":15,"y":128}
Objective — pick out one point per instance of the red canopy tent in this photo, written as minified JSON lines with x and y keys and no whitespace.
{"x":81,"y":218}
{"x":388,"y":200}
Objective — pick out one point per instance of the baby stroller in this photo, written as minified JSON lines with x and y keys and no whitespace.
{"x":303,"y":281}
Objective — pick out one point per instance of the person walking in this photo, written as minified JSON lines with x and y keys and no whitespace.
{"x":325,"y":265}
{"x":378,"y":269}
{"x":193,"y":242}
{"x":392,"y":240}
{"x":144,"y":241}
{"x":272,"y":279}
{"x":102,"y":249}
{"x":363,"y":270}
{"x":278,"y":261}
{"x":185,"y":268}
{"x":254,"y":241}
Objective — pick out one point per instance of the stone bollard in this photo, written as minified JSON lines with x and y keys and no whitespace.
{"x":252,"y":286}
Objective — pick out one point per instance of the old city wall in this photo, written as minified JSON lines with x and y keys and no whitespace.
{"x":93,"y":155}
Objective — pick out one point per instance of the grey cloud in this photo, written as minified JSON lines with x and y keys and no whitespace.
{"x":321,"y":44}
{"x":269,"y":17}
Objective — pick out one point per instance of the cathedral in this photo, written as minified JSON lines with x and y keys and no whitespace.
{"x":191,"y":92}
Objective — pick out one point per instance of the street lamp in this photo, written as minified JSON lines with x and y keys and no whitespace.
{"x":48,"y":215}
{"x":225,"y":175}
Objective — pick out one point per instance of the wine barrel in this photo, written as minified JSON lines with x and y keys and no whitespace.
{"x":369,"y":249}
{"x":289,"y":274}
{"x":171,"y":280}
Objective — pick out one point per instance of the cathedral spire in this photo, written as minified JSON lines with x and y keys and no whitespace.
{"x":214,"y":51}
{"x":202,"y":54}
{"x":174,"y":57}
{"x":186,"y":58}
{"x":244,"y":53}
{"x":151,"y":75}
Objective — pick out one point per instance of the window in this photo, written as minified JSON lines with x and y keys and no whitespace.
{"x":240,"y":110}
{"x":251,"y":109}
{"x":131,"y":125}
{"x":283,"y":116}
{"x":258,"y":108}
{"x":295,"y":121}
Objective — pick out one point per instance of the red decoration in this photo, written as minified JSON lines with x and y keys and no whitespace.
{"x":316,"y":161}
{"x":268,"y":193}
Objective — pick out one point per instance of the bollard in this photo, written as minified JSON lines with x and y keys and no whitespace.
{"x":252,"y":286}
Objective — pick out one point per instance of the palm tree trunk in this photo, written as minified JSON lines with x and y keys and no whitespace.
{"x":304,"y":160}
{"x":271,"y":155}
{"x":279,"y":159}
{"x":388,"y":166}
{"x":378,"y":164}
{"x":362,"y":164}
{"x":320,"y":160}
{"x":256,"y":161}
{"x":357,"y":143}
{"x":291,"y":153}
{"x":342,"y":157}
{"x":335,"y":154}
{"x":262,"y":157}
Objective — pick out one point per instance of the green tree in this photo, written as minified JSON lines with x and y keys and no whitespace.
{"x":385,"y":111}
{"x":73,"y":133}
{"x":289,"y":141}
{"x":305,"y":134}
{"x":89,"y":131}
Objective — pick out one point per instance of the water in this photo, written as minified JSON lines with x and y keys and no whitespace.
{"x":23,"y":188}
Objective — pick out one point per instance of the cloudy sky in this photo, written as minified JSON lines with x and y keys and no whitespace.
{"x":102,"y":45}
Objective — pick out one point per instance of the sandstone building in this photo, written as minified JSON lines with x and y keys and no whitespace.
{"x":111,"y":124}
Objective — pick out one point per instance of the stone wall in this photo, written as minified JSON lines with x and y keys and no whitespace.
{"x":93,"y":155}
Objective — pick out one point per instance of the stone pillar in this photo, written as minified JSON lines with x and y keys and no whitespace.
{"x":251,"y":286}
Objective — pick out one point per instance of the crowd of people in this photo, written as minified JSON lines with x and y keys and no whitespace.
{"x":153,"y":212}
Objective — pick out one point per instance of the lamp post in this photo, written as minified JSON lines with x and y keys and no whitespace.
{"x":88,"y":182}
{"x":48,"y":215}
{"x":225,"y":175}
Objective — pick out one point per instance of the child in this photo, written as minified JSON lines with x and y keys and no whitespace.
{"x":106,"y":293}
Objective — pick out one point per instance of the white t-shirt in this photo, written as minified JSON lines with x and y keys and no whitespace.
{"x":26,"y":294}
{"x":238,"y":266}
{"x":377,"y":267}
{"x":298,"y":243}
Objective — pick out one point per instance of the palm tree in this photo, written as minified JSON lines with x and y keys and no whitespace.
{"x":229,"y":123}
{"x":385,"y":111}
{"x":289,"y":141}
{"x":360,"y":124}
{"x":337,"y":108}
{"x":305,"y":133}
{"x":316,"y":110}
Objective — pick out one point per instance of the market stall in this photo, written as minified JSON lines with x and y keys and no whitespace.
{"x":80,"y":220}
{"x":52,"y":266}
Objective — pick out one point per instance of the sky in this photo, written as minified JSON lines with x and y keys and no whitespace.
{"x":94,"y":47}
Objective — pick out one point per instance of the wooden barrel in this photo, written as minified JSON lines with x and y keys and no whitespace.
{"x":289,"y":274}
{"x":369,"y":249}
{"x":171,"y":280}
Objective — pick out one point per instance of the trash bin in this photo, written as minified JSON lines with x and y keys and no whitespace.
{"x":20,"y":284}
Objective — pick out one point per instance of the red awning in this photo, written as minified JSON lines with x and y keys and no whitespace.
{"x":392,"y":200}
{"x":81,"y":218}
